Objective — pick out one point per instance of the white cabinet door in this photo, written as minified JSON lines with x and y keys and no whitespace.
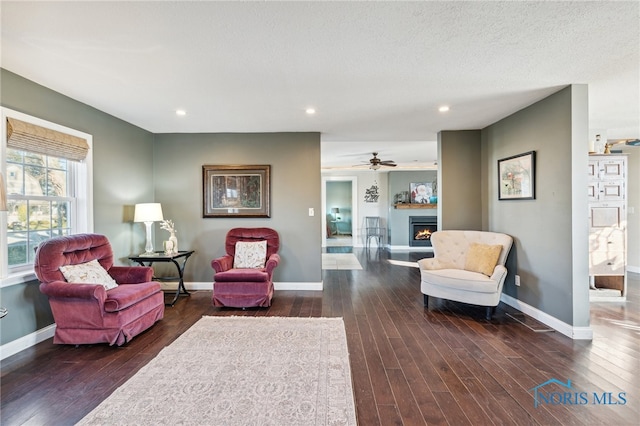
{"x":611,"y":169}
{"x":606,"y":215}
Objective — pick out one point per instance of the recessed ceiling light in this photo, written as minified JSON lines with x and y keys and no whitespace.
{"x":310,"y":111}
{"x":443,"y":108}
{"x":181,"y":112}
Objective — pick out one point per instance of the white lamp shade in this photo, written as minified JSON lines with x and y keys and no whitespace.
{"x":3,"y":195}
{"x":148,"y":212}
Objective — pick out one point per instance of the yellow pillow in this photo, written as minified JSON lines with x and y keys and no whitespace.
{"x":482,"y":258}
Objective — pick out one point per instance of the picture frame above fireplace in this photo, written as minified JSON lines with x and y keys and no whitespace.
{"x":421,"y":192}
{"x":516,"y":177}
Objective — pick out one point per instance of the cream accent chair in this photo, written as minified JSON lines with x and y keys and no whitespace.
{"x":444,"y":275}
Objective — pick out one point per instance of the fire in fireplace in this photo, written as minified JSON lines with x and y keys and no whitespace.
{"x":420,"y":230}
{"x":424,"y":234}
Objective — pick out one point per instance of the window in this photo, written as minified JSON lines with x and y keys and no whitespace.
{"x":38,"y":203}
{"x":47,"y":195}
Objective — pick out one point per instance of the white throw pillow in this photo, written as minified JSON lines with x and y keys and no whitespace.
{"x":250,"y":254}
{"x":88,"y":273}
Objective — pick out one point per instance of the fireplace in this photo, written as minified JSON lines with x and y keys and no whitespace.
{"x":420,"y":230}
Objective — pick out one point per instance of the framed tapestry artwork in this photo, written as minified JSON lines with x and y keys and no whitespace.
{"x":235,"y":191}
{"x":516,"y":177}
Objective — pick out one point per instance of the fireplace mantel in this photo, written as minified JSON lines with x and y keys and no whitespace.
{"x":416,"y":206}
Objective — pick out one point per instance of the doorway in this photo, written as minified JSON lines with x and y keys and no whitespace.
{"x":339,"y":211}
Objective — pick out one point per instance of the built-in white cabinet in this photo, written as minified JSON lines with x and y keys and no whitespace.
{"x":607,"y":193}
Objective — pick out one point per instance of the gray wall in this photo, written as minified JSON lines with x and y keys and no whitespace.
{"x":550,"y":232}
{"x":460,"y":192}
{"x":130,"y":166}
{"x":295,"y":187}
{"x":129,"y":169}
{"x":399,"y":218}
{"x":122,"y":176}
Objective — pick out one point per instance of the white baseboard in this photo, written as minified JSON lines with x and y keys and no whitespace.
{"x":635,"y":269}
{"x":576,"y":333}
{"x":310,"y":286}
{"x":27,"y":341}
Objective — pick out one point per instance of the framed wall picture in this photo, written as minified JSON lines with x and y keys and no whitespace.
{"x":516,"y":177}
{"x":235,"y":191}
{"x":421,"y":192}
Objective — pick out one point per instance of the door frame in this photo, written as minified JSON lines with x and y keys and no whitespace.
{"x":354,"y":206}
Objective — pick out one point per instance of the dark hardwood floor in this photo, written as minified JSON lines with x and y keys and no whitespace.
{"x":410,"y":365}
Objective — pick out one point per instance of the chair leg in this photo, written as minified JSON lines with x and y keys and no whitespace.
{"x":425,"y":300}
{"x":490,"y":311}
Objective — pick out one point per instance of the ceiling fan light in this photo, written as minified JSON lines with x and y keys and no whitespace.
{"x":375,"y":166}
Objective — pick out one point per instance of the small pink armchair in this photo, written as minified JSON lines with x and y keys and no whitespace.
{"x":87,"y":313}
{"x":245,"y":287}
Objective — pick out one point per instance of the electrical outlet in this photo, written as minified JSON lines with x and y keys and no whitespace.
{"x":312,"y":212}
{"x":518,"y":280}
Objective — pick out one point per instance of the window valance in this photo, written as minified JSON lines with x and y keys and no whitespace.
{"x":31,"y":137}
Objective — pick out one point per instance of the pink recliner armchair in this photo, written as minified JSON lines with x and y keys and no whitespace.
{"x":239,"y":286}
{"x":88,"y":313}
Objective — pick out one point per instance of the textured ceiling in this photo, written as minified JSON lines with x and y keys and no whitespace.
{"x":376,"y":72}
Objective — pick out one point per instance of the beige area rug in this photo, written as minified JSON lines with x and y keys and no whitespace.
{"x":241,"y":371}
{"x":340,"y":261}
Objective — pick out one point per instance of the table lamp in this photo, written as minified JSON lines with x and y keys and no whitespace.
{"x":148,"y":213}
{"x":335,"y":211}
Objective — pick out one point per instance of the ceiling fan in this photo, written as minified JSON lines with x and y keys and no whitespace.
{"x":376,"y":163}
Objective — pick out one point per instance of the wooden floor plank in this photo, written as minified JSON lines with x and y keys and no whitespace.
{"x":366,"y":408}
{"x":410,"y":365}
{"x":420,"y":390}
{"x":377,"y":373}
{"x":452,"y":411}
